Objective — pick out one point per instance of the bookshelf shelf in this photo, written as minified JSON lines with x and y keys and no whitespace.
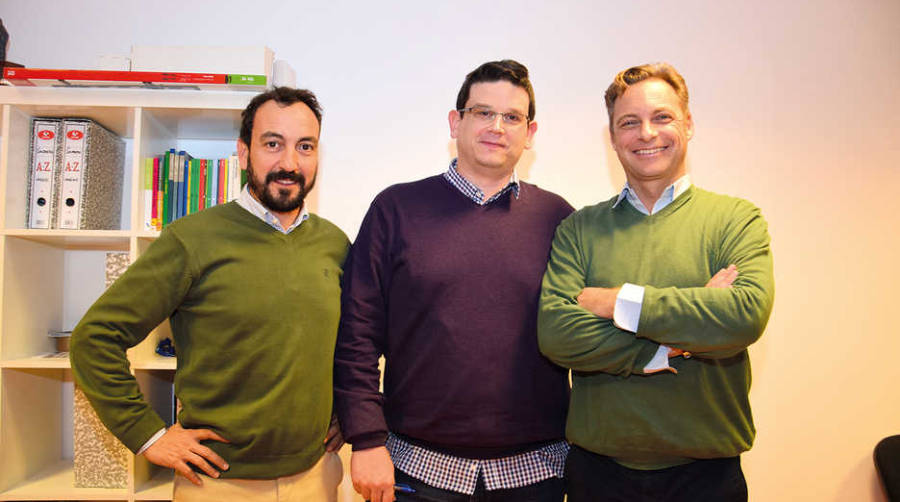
{"x":50,"y":277}
{"x":43,"y":361}
{"x":154,"y":362}
{"x":159,"y":487}
{"x":110,"y":240}
{"x":56,"y":482}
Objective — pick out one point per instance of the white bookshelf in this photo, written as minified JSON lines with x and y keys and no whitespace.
{"x":49,"y":277}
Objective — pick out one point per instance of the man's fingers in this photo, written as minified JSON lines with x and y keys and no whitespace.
{"x":185,"y":470}
{"x":203,"y":434}
{"x":203,"y":465}
{"x":211,"y":456}
{"x":334,"y":443}
{"x":723,"y":278}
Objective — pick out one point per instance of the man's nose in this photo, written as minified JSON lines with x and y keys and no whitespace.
{"x":648,"y":130}
{"x":497,"y":123}
{"x":290,"y":159}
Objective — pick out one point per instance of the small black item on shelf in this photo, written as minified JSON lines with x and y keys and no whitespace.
{"x":165,"y":348}
{"x":4,"y":41}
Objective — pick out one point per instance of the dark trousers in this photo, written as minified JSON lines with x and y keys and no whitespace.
{"x":596,"y":478}
{"x":549,"y":490}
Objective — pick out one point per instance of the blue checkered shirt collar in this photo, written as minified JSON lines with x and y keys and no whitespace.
{"x":460,"y":475}
{"x":474,"y":193}
{"x":246,"y":201}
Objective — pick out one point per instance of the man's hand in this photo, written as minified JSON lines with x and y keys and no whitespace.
{"x":179,"y":446}
{"x":723,"y":278}
{"x":373,"y":474}
{"x":599,"y":301}
{"x":333,"y":438}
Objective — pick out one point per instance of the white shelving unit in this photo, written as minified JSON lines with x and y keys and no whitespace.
{"x":35,"y":265}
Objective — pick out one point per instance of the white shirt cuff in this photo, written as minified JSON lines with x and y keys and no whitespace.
{"x":152,"y":440}
{"x":627,"y":312}
{"x":660,"y":361}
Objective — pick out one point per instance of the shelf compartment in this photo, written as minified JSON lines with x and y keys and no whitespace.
{"x":43,"y":361}
{"x":57,"y":482}
{"x":96,"y":240}
{"x":158,"y":487}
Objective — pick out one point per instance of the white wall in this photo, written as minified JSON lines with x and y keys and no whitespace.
{"x":796,"y":106}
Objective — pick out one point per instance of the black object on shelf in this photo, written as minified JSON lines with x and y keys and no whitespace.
{"x":165,"y":348}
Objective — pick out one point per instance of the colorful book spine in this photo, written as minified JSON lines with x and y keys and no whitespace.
{"x":158,"y":192}
{"x":167,"y":191}
{"x":147,"y":196}
{"x":209,"y":173}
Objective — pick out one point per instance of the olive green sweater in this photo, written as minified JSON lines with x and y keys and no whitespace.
{"x":663,"y":419}
{"x":254,"y":316}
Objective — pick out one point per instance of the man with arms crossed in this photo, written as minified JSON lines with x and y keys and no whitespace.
{"x":661,"y":373}
{"x":252,"y":291}
{"x":443,"y":280}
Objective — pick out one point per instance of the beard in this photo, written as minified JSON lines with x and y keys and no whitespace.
{"x":281,"y":201}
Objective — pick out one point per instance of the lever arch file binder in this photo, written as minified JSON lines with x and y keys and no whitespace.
{"x":43,"y":174}
{"x":90,"y":194}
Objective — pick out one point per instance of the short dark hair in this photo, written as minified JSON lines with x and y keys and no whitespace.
{"x":635,"y":74}
{"x":493,"y":71}
{"x":284,"y":96}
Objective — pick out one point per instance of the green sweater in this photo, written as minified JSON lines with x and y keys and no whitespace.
{"x":254,"y":316}
{"x":663,"y":419}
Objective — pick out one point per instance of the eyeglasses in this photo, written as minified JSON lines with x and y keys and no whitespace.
{"x":488,"y":116}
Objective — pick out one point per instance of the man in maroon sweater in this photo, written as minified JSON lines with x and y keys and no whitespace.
{"x":443,"y":281}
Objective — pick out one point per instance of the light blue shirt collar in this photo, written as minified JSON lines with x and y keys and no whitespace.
{"x":668,"y":196}
{"x":246,"y":201}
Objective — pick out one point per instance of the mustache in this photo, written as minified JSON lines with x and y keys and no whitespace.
{"x":296,"y":177}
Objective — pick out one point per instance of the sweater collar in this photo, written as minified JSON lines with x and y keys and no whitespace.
{"x":254,"y":207}
{"x":474,"y":193}
{"x":668,"y":196}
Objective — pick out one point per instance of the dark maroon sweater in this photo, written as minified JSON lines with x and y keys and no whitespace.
{"x":447,"y":291}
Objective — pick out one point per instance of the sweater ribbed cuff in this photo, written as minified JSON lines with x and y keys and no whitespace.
{"x":368,"y":440}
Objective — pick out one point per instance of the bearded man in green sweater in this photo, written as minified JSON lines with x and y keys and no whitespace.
{"x":252,"y":292}
{"x":652,"y":299}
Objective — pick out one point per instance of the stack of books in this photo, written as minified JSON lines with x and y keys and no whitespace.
{"x":176,"y":184}
{"x":147,"y":79}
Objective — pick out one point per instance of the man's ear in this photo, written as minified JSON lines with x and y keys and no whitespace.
{"x":454,"y":119}
{"x":243,"y":153}
{"x":532,"y":128}
{"x":689,"y":126}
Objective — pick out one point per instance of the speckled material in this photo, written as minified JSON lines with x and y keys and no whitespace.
{"x":101,"y":461}
{"x":102,"y":157}
{"x":116,"y":263}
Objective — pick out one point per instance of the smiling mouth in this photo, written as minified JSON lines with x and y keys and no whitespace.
{"x":650,"y":151}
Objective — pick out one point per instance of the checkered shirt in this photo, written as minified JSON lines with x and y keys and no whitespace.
{"x":473,"y":192}
{"x":461,"y":474}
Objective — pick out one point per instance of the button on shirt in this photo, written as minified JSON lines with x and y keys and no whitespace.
{"x":630,"y":299}
{"x":461,"y":474}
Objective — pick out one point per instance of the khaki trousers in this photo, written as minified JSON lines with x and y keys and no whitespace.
{"x":319,"y":482}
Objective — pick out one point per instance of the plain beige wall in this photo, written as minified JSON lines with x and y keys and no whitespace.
{"x":796,"y":106}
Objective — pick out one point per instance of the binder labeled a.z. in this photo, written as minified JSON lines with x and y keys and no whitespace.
{"x":43,"y":185}
{"x":90,"y":194}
